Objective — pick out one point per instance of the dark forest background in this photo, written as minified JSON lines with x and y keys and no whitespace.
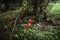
{"x":45,"y":16}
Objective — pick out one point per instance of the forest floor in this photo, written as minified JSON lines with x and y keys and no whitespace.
{"x":8,"y":17}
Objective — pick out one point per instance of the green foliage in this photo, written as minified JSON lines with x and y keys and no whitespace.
{"x":30,"y":9}
{"x":10,"y":19}
{"x":55,"y":9}
{"x":34,"y":33}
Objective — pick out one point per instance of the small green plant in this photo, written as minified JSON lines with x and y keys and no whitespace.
{"x":31,"y":32}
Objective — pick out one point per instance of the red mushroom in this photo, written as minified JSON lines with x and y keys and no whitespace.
{"x":25,"y":25}
{"x":30,"y":21}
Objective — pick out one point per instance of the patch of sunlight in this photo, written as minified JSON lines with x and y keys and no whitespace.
{"x":55,"y":9}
